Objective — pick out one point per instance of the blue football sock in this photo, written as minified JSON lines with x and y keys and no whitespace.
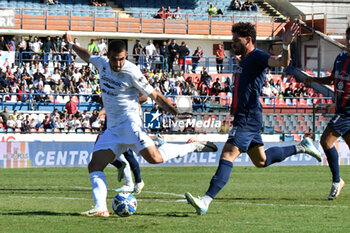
{"x":220,"y":178}
{"x":278,"y":154}
{"x":333,"y":162}
{"x":134,"y":165}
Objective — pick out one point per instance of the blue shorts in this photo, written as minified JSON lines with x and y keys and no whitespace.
{"x":244,"y":139}
{"x":340,"y":123}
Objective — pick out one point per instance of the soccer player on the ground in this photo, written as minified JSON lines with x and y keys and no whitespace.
{"x":340,"y":123}
{"x":121,"y":82}
{"x":245,"y":134}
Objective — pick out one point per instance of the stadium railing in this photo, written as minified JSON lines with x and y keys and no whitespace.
{"x":205,"y":103}
{"x":110,"y":21}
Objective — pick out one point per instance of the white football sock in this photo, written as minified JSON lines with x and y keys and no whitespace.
{"x":170,"y":150}
{"x":127,"y":172}
{"x":99,"y":189}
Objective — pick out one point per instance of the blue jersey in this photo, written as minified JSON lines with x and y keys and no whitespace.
{"x":249,"y":78}
{"x":341,"y":71}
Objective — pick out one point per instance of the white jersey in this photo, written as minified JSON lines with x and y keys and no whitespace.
{"x":120,"y":91}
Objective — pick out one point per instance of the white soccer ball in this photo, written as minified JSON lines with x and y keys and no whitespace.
{"x":124,"y":204}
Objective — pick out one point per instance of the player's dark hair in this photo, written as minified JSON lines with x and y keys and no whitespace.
{"x":347,"y":31}
{"x":117,"y":46}
{"x":245,"y":29}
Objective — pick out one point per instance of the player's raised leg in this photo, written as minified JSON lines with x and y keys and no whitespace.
{"x":100,"y":159}
{"x":275,"y":154}
{"x":169,"y":150}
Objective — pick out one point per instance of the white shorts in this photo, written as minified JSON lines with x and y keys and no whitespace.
{"x":127,"y":136}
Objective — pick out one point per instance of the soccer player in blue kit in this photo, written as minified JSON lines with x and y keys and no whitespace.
{"x":340,"y":123}
{"x":246,"y":108}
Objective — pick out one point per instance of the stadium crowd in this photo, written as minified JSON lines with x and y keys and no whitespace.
{"x":46,"y":68}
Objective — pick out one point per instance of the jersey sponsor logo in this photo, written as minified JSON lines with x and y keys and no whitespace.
{"x":108,"y":86}
{"x":111,"y":81}
{"x":108,"y":92}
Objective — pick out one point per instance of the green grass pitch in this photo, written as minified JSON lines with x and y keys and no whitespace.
{"x":274,"y":199}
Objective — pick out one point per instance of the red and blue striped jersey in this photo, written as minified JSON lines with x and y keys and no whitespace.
{"x":341,"y":72}
{"x":249,"y":77}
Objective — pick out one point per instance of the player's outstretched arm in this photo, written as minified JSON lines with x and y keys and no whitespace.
{"x":163,"y":102}
{"x":327,"y":80}
{"x":287,"y":38}
{"x":82,"y":53}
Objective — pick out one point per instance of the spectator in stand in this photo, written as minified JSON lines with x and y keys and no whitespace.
{"x":273,"y":88}
{"x":204,"y":96}
{"x":102,"y":47}
{"x":11,"y":123}
{"x":288,"y":92}
{"x":151,"y":51}
{"x":3,"y":44}
{"x":217,"y":88}
{"x":205,"y":77}
{"x":56,"y":77}
{"x":278,"y":86}
{"x":138,"y":51}
{"x":27,"y":57}
{"x":220,"y":54}
{"x":47,"y":123}
{"x":196,"y":57}
{"x":304,"y":92}
{"x":11,"y":44}
{"x":183,"y":52}
{"x":17,"y":74}
{"x":268,"y":75}
{"x":5,"y":114}
{"x":168,"y":13}
{"x":71,"y":106}
{"x":297,"y":92}
{"x":161,"y":13}
{"x":266,"y":90}
{"x":173,"y":49}
{"x":102,"y":2}
{"x":163,"y":50}
{"x":96,"y":125}
{"x":72,"y":52}
{"x":93,"y":116}
{"x":40,"y":94}
{"x":95,"y":3}
{"x":23,"y":96}
{"x":25,"y":124}
{"x":236,"y":5}
{"x":47,"y":47}
{"x":249,"y":6}
{"x":35,"y":51}
{"x":214,"y":11}
{"x":22,"y":45}
{"x":177,"y":14}
{"x":92,"y":47}
{"x":57,"y":50}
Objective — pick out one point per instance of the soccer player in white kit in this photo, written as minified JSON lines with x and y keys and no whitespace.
{"x":121,"y":82}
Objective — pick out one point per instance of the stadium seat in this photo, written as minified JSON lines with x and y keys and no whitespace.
{"x":56,"y":130}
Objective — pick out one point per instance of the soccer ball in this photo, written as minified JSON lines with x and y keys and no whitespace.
{"x":124,"y":204}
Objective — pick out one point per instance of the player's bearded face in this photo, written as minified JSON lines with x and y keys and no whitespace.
{"x":239,"y":44}
{"x":116,"y":60}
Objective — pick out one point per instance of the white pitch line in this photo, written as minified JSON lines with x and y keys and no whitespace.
{"x":170,"y":194}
